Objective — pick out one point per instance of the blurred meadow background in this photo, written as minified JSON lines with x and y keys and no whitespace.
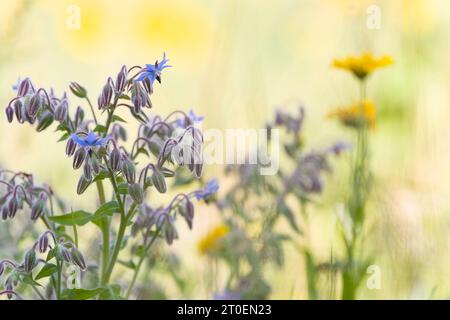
{"x":235,"y":62}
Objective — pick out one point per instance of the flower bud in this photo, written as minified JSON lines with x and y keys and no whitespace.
{"x":137,"y":97}
{"x":136,"y":193}
{"x":62,"y":253}
{"x":79,"y":116}
{"x":12,"y":207}
{"x":107,"y":93}
{"x":29,"y":261}
{"x":114,"y":159}
{"x":78,"y":90}
{"x":83,"y":184}
{"x":37,"y":209}
{"x":5,"y":212}
{"x":189,"y":213}
{"x":170,"y":233}
{"x":129,"y":170}
{"x":148,"y":85}
{"x":198,"y":168}
{"x":34,"y":105}
{"x":9,"y":113}
{"x":61,"y":111}
{"x":18,"y":110}
{"x":45,"y":120}
{"x":95,"y":164}
{"x":79,"y":157}
{"x":158,"y":181}
{"x":121,"y":79}
{"x":24,"y":87}
{"x":77,"y":258}
{"x":2,"y":267}
{"x":87,"y":170}
{"x":70,"y":147}
{"x":43,"y":243}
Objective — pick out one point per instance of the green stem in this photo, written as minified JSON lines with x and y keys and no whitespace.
{"x":38,"y":292}
{"x":58,"y":286}
{"x":92,"y":109}
{"x":141,"y":260}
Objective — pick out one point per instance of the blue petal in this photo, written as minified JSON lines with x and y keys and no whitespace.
{"x":78,"y":140}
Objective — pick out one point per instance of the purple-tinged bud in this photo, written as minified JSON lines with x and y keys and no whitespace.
{"x":9,"y":113}
{"x":12,"y":207}
{"x":2,"y":267}
{"x":107,"y":94}
{"x":77,"y":258}
{"x":121,"y":79}
{"x":43,"y":243}
{"x":79,"y":116}
{"x":45,"y":120}
{"x":137,"y":96}
{"x":129,"y":170}
{"x":61,"y":111}
{"x":24,"y":87}
{"x":34,"y":105}
{"x":198,"y":168}
{"x":136,"y":193}
{"x":70,"y":147}
{"x":159,"y":182}
{"x":95,"y":164}
{"x":114,"y":159}
{"x":62,"y":253}
{"x":37,"y":209}
{"x":83,"y":184}
{"x":101,"y":102}
{"x":148,"y":85}
{"x":87,"y":170}
{"x":78,"y":90}
{"x":18,"y":110}
{"x":189,"y":213}
{"x":79,"y":157}
{"x":170,"y":233}
{"x":29,"y":260}
{"x":5,"y":212}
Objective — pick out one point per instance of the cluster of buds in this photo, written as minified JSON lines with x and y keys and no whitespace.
{"x":63,"y":251}
{"x":18,"y":191}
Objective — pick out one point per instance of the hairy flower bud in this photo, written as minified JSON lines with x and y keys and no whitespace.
{"x":5,"y":212}
{"x":107,"y":93}
{"x":24,"y":87}
{"x":45,"y":120}
{"x":129,"y":170}
{"x":79,"y":116}
{"x":148,"y":86}
{"x":79,"y":157}
{"x":95,"y":164}
{"x":2,"y":267}
{"x":29,"y":260}
{"x":87,"y":170}
{"x":34,"y":105}
{"x":37,"y":209}
{"x":137,"y":96}
{"x":158,"y":181}
{"x":121,"y":79}
{"x":136,"y":193}
{"x":114,"y":159}
{"x":18,"y":110}
{"x":9,"y":113}
{"x":83,"y":184}
{"x":170,"y":233}
{"x":62,"y":253}
{"x":78,"y":90}
{"x":12,"y":207}
{"x":61,"y":111}
{"x":77,"y":258}
{"x":43,"y":243}
{"x":70,"y":147}
{"x":189,"y":213}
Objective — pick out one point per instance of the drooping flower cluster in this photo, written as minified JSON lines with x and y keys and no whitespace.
{"x":161,"y":149}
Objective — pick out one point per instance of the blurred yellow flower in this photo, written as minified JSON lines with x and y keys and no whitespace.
{"x":211,"y":242}
{"x":356,"y":115}
{"x":363,"y":65}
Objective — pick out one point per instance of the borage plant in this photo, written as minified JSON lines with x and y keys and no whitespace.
{"x":161,"y":149}
{"x":250,"y":238}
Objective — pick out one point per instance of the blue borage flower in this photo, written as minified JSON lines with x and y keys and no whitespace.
{"x":153,"y":71}
{"x":194,"y":119}
{"x":211,"y":187}
{"x":91,"y":140}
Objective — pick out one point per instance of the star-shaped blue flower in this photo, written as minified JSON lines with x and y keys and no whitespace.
{"x":153,"y":71}
{"x":211,"y":187}
{"x":91,"y":140}
{"x":194,"y":119}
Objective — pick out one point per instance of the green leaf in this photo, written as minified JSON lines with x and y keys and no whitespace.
{"x":123,"y":188}
{"x":107,"y":209}
{"x":100,"y":128}
{"x":117,"y":118}
{"x":81,"y":294}
{"x":102,"y":175}
{"x":129,"y":264}
{"x":78,"y":218}
{"x":28,"y":279}
{"x":64,"y":137}
{"x":47,"y":271}
{"x":112,"y":292}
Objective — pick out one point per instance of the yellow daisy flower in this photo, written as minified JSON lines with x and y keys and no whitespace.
{"x":363,"y":65}
{"x":211,"y":242}
{"x":356,"y":115}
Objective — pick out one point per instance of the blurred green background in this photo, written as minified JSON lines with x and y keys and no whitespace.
{"x":236,"y":61}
